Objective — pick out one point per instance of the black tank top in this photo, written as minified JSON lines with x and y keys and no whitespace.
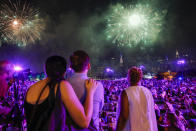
{"x":38,"y":112}
{"x":48,"y":115}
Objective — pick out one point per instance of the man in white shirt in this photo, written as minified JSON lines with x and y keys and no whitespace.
{"x":80,"y":63}
{"x":137,"y":111}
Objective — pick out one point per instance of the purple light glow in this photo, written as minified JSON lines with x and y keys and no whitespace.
{"x":17,"y":68}
{"x":180,"y":78}
{"x":69,"y":69}
{"x":109,"y":70}
{"x":142,"y":67}
{"x":181,"y":62}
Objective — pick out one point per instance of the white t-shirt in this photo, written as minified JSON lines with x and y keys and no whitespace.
{"x":141,"y":110}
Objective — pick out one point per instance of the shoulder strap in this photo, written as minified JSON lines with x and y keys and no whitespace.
{"x":41,"y":93}
{"x":34,"y":108}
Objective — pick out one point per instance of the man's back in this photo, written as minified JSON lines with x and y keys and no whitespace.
{"x":77,"y":81}
{"x":141,"y":109}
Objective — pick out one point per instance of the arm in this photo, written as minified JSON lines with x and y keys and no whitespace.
{"x":81,"y":115}
{"x":124,"y":112}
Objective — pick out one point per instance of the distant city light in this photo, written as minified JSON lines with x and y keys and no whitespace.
{"x":181,"y":62}
{"x":148,"y":76}
{"x":180,"y":78}
{"x":109,"y":70}
{"x":69,"y":69}
{"x":142,"y":67}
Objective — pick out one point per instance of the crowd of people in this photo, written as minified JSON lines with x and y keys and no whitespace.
{"x":82,"y":103}
{"x":175,"y":102}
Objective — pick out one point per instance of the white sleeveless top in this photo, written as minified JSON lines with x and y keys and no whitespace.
{"x":141,"y":110}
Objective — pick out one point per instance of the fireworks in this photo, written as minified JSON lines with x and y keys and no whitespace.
{"x":134,"y":24}
{"x":19,"y":23}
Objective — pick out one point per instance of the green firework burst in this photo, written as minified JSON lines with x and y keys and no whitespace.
{"x":130,"y":25}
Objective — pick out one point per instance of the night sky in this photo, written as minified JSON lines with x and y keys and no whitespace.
{"x":79,"y":24}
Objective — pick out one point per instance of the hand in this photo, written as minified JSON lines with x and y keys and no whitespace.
{"x":91,"y":85}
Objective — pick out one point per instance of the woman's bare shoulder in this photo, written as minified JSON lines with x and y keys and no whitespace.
{"x":36,"y":86}
{"x":65,"y":86}
{"x":65,"y":83}
{"x":34,"y":90}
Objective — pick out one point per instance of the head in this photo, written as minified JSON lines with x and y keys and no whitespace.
{"x":134,"y":76}
{"x":55,"y":67}
{"x":80,"y":61}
